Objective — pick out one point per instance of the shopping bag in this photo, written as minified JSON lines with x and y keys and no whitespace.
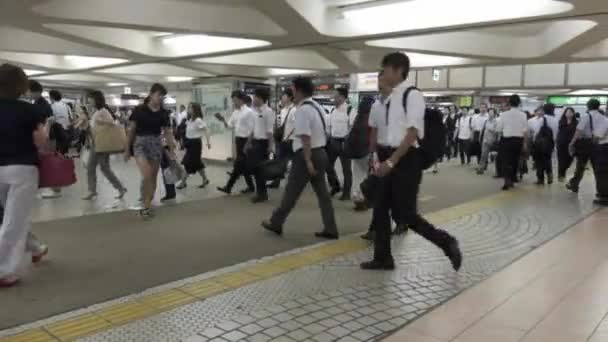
{"x":85,"y":154}
{"x":56,"y":171}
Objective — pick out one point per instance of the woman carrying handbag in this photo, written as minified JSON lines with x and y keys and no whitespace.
{"x":107,"y":138}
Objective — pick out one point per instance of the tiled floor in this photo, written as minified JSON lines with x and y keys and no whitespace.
{"x":319,"y":293}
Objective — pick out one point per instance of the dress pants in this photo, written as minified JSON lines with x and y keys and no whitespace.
{"x":399,"y":196}
{"x":451,"y":150}
{"x":297,"y":180}
{"x":544,"y":165}
{"x":18,"y":188}
{"x":584,"y":150}
{"x":600,"y":169}
{"x":259,"y":154}
{"x":463,"y":148}
{"x":336,"y":150}
{"x":239,"y":167}
{"x":510,"y":150}
{"x":564,"y":160}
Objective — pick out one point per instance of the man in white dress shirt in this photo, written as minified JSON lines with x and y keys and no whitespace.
{"x":513,"y":127}
{"x":261,"y":140}
{"x":242,"y":122}
{"x":600,"y":157}
{"x":543,"y":145}
{"x":401,"y":174}
{"x":286,"y":121}
{"x":582,"y":144}
{"x":464,"y":132}
{"x":340,"y":124}
{"x":309,"y":163}
{"x":478,"y":121}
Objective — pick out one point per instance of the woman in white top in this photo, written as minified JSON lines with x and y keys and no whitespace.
{"x":195,"y":129}
{"x":101,"y":117}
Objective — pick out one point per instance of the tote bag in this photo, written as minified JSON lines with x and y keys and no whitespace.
{"x":56,"y":171}
{"x":109,"y":139}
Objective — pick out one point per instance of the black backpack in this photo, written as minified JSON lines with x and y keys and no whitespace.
{"x":435,"y":133}
{"x":356,"y":145}
{"x":544,"y":142}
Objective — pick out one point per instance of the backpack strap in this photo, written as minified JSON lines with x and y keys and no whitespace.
{"x":405,"y":95}
{"x":591,"y":122}
{"x":318,"y":111}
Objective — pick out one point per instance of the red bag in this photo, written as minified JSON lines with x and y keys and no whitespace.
{"x":56,"y":171}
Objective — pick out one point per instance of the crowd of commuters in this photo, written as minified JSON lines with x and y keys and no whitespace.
{"x":382,"y":147}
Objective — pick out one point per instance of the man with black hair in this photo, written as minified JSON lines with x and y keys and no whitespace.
{"x":285,"y":130}
{"x":401,"y":173}
{"x":543,"y":135}
{"x":309,"y":163}
{"x":62,"y":122}
{"x":35,"y":93}
{"x":599,"y":158}
{"x":513,"y":127}
{"x":339,"y":125}
{"x":261,"y":140}
{"x":242,"y":121}
{"x":581,"y":145}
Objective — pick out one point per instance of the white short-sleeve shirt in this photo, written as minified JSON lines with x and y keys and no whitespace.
{"x":309,"y":123}
{"x":513,"y":124}
{"x":340,"y":121}
{"x":600,"y":127}
{"x":400,"y":119}
{"x":264,"y":122}
{"x":288,"y":119}
{"x":584,"y":124}
{"x":536,"y":123}
{"x":61,"y":114}
{"x":242,"y":122}
{"x":195,"y":128}
{"x":478,"y":121}
{"x":377,"y":120}
{"x":465,"y":127}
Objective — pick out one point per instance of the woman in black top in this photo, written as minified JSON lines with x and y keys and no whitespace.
{"x":567,"y":128}
{"x":147,"y":123}
{"x":22,"y":132}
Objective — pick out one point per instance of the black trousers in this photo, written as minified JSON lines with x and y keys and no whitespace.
{"x":544,"y":165}
{"x":463,"y":148}
{"x":239,"y":167}
{"x":297,"y":180}
{"x":451,"y":150}
{"x":336,"y":151}
{"x":564,"y":160}
{"x":257,"y":155}
{"x":510,"y":148}
{"x":169,"y":188}
{"x":399,"y":197}
{"x":600,"y":169}
{"x":383,"y":154}
{"x":584,"y":150}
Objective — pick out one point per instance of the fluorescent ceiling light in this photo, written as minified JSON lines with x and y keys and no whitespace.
{"x":116,"y":84}
{"x":589,"y":92}
{"x":197,"y":44}
{"x":30,"y":72}
{"x":179,"y":78}
{"x":423,"y":60}
{"x":161,"y":34}
{"x":417,"y":14}
{"x":81,"y":62}
{"x":283,"y":72}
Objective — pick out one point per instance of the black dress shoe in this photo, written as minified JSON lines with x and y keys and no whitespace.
{"x":259,"y":199}
{"x":224,"y":190}
{"x":369,"y":236}
{"x":378,"y":265}
{"x":345,"y":198}
{"x":400,"y":229}
{"x":247,"y":191}
{"x":325,"y":235}
{"x":167,"y":198}
{"x":274,"y":185}
{"x":506,"y":187}
{"x":601,"y":201}
{"x":452,"y":251}
{"x":572,"y":188}
{"x":269,"y":227}
{"x":334,"y":192}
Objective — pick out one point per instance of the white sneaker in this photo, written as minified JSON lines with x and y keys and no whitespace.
{"x":49,"y":193}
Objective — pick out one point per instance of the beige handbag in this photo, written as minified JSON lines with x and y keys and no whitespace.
{"x":109,"y":138}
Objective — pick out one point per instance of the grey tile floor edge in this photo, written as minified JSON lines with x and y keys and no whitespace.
{"x":335,"y":301}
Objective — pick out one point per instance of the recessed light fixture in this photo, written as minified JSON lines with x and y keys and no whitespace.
{"x":201,"y":43}
{"x":282,"y":71}
{"x":179,"y":78}
{"x":91,"y":62}
{"x":116,"y":84}
{"x":30,"y":72}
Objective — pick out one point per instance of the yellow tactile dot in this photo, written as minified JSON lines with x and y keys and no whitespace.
{"x":167,"y":299}
{"x":314,"y":255}
{"x":123,"y":313}
{"x":37,"y":335}
{"x":237,"y":279}
{"x":205,"y":288}
{"x":75,"y":328}
{"x":291,"y":262}
{"x":265,"y":270}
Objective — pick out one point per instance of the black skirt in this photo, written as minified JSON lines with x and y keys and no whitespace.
{"x":193,"y":161}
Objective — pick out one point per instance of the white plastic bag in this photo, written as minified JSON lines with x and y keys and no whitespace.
{"x":85,"y":154}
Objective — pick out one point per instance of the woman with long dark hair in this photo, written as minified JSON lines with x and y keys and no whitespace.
{"x":23,"y":133}
{"x":102,"y":117}
{"x":147,"y":124}
{"x":567,"y":128}
{"x":195,"y":130}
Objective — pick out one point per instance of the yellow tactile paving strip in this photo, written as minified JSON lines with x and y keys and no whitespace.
{"x":148,"y":305}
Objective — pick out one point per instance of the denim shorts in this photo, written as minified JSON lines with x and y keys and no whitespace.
{"x":148,"y":147}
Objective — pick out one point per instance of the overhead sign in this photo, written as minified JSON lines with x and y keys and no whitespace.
{"x":563,"y":101}
{"x":126,"y":90}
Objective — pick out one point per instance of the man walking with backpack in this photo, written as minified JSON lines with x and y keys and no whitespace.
{"x":401,"y":174}
{"x":543,"y":132}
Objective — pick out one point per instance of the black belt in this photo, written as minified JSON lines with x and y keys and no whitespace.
{"x":338,"y":139}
